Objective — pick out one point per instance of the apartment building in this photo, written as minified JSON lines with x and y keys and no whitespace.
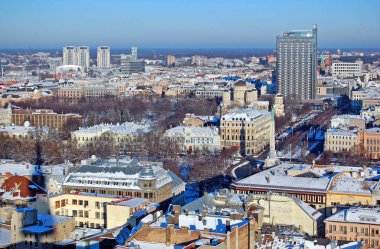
{"x":355,"y":224}
{"x":347,"y":69}
{"x":103,"y":57}
{"x":73,"y":94}
{"x":369,"y":141}
{"x":92,"y":210}
{"x":339,"y":140}
{"x":43,"y":118}
{"x":245,"y":129}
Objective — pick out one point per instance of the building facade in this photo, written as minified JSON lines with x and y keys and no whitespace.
{"x":278,"y":106}
{"x":347,"y":69}
{"x":104,"y":57}
{"x":245,"y":129}
{"x":5,"y":115}
{"x":369,"y":141}
{"x":83,"y":57}
{"x":43,"y":117}
{"x":120,"y":133}
{"x":79,"y":56}
{"x":297,"y":64}
{"x":355,"y":224}
{"x":129,"y":66}
{"x":97,"y":210}
{"x":337,"y":140}
{"x":69,"y":56}
{"x":192,"y":138}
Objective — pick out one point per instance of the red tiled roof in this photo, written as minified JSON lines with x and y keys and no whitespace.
{"x":20,"y":186}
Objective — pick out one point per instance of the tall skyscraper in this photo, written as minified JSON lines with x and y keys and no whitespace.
{"x":134,"y":53}
{"x":69,"y":56}
{"x":170,"y":60}
{"x":83,"y":57}
{"x":104,"y":57}
{"x":297,"y":64}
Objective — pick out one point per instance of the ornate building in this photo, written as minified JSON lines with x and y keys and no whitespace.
{"x":278,"y":106}
{"x":126,"y":177}
{"x":242,"y":94}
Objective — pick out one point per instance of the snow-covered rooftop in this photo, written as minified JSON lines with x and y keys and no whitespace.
{"x":244,"y":115}
{"x":18,"y":168}
{"x":292,"y":177}
{"x":357,"y":215}
{"x":127,"y":128}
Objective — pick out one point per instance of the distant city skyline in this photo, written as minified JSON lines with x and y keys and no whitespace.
{"x":185,"y":24}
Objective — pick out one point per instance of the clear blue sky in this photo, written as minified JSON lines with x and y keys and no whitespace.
{"x":185,"y":23}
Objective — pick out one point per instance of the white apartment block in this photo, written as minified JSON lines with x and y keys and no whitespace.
{"x":69,"y":56}
{"x":192,"y":138}
{"x":104,"y":57}
{"x":347,"y":69}
{"x":79,"y":56}
{"x":83,"y":56}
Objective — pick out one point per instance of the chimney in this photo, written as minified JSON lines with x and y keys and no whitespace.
{"x":228,"y":226}
{"x":268,"y":179}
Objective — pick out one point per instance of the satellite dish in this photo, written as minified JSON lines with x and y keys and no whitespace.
{"x":27,"y":124}
{"x":261,"y":202}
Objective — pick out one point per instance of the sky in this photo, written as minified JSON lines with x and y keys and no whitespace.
{"x":185,"y":23}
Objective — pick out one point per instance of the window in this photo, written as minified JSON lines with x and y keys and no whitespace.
{"x":75,"y":213}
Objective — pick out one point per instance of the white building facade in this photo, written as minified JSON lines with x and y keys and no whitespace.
{"x":69,"y":56}
{"x":195,"y":138}
{"x":347,"y":69}
{"x":104,"y":57}
{"x":83,"y":57}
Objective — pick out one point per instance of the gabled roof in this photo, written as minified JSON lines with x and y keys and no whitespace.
{"x":19,"y":187}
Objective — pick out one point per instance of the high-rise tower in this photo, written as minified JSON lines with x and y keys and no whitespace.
{"x":297,"y":64}
{"x":104,"y":57}
{"x":69,"y":55}
{"x":134,"y":53}
{"x":83,"y":57}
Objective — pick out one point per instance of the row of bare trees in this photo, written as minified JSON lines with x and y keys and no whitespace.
{"x":167,"y":111}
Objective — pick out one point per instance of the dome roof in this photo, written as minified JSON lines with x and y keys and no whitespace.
{"x":146,"y":172}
